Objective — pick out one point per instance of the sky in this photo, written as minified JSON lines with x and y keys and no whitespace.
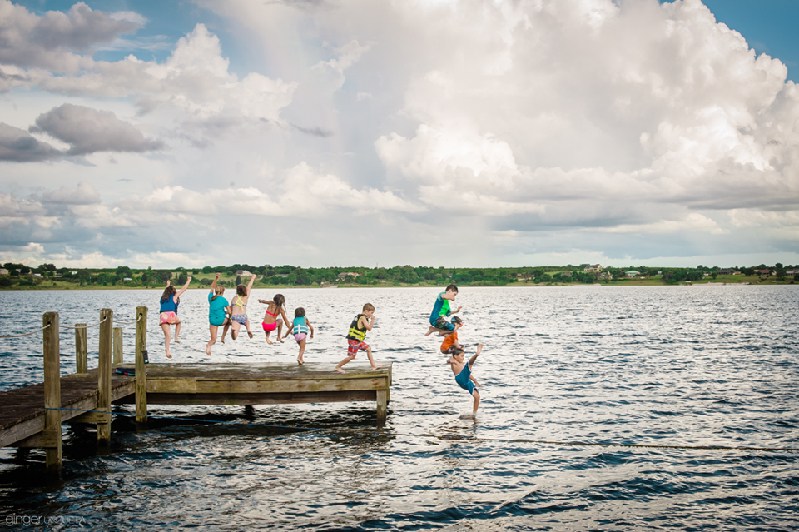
{"x":390,"y":132}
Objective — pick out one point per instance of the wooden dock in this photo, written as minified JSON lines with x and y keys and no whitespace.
{"x":32,"y":416}
{"x":266,"y":384}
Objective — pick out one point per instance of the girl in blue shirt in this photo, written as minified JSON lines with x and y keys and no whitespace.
{"x":218,"y":312}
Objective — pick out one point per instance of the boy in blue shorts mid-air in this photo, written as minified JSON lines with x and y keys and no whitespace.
{"x":438,"y":318}
{"x":463,"y":372}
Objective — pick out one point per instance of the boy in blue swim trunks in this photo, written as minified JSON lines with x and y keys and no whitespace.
{"x":438,"y":318}
{"x":463,"y":372}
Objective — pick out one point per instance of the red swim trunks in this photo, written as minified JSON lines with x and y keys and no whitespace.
{"x":356,"y":346}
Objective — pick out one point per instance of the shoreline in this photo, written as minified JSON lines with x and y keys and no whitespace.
{"x":513,"y":285}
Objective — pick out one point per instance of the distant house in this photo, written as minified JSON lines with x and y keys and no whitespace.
{"x":790,"y":272}
{"x":126,"y":279}
{"x":736,"y":273}
{"x":593,"y":268}
{"x":724,"y":271}
{"x":37,"y":274}
{"x":566,"y":274}
{"x":632,"y":273}
{"x":73,"y":272}
{"x":764,"y":272}
{"x":243,"y":273}
{"x":344,"y":275}
{"x":3,"y":271}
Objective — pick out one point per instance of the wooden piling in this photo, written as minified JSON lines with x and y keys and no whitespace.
{"x":117,"y":345}
{"x":381,"y":407}
{"x":81,"y":347}
{"x":141,"y":369}
{"x":104,"y":377}
{"x":52,"y":392}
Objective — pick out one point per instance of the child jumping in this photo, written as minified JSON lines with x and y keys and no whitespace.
{"x":441,"y":310}
{"x":271,"y":319}
{"x":238,"y":306}
{"x":300,"y":328}
{"x":217,"y":314}
{"x":169,"y":314}
{"x":451,"y":338}
{"x":357,"y":334}
{"x":463,"y":372}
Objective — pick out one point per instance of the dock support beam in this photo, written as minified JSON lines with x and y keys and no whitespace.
{"x":117,"y":345}
{"x":52,"y":391}
{"x":104,"y":376}
{"x":141,"y":369}
{"x":81,"y":348}
{"x":382,"y":396}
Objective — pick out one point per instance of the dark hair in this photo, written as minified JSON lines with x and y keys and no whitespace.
{"x":368,"y":306}
{"x":170,"y":290}
{"x":451,"y":287}
{"x":279,"y":300}
{"x":455,"y":350}
{"x":299,"y":312}
{"x":241,"y":290}
{"x":456,"y":319}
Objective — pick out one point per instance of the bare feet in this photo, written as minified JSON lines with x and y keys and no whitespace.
{"x":168,"y":354}
{"x":248,"y":332}
{"x":208,"y":350}
{"x":340,"y":370}
{"x":376,"y":367}
{"x":301,"y":362}
{"x":177,"y":341}
{"x":430,"y":329}
{"x":270,"y":342}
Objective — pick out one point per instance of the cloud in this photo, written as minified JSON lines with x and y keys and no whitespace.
{"x":88,"y":130}
{"x":27,"y":40}
{"x":17,"y":145}
{"x":302,"y":191}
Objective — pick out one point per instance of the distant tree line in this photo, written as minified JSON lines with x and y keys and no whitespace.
{"x":22,"y":275}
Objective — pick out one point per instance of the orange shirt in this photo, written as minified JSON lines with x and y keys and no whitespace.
{"x":449,"y":340}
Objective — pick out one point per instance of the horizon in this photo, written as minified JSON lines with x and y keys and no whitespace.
{"x":656,"y":133}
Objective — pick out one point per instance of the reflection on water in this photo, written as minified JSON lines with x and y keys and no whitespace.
{"x":676,"y":365}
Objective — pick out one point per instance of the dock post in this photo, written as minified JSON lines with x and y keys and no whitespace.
{"x":117,"y":345}
{"x":381,"y":407}
{"x":104,"y":376}
{"x":52,"y":391}
{"x":141,"y":369}
{"x":81,"y":347}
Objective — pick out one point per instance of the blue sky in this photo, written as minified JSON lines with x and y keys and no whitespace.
{"x":426,"y":132}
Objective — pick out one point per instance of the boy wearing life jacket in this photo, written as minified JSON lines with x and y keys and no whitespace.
{"x":363,"y":322}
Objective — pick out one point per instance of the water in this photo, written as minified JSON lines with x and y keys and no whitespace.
{"x":672,"y":365}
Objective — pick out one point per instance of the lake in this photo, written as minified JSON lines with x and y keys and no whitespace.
{"x":676,"y":366}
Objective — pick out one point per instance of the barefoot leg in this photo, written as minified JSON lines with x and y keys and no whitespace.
{"x":167,"y":338}
{"x":476,"y":400}
{"x":177,"y":332}
{"x":339,"y":368}
{"x":300,"y":360}
{"x":212,"y":341}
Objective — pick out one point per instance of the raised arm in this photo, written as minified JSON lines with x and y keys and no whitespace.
{"x":185,"y":286}
{"x":249,"y":285}
{"x":213,"y":284}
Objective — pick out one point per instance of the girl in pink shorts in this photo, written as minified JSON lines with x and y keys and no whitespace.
{"x":169,"y":314}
